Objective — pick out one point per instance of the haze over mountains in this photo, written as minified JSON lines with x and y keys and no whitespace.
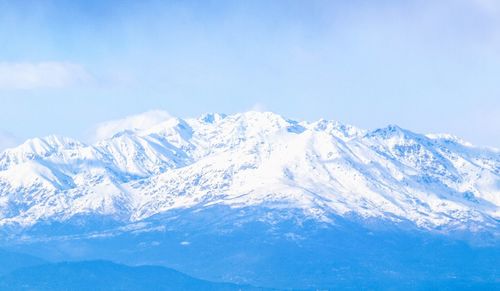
{"x":102,"y":275}
{"x":251,"y":159}
{"x":255,"y":198}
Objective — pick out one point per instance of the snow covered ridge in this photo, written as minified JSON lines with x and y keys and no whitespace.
{"x":254,"y":159}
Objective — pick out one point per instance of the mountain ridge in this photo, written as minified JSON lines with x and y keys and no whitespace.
{"x":105,"y":275}
{"x":252,"y":159}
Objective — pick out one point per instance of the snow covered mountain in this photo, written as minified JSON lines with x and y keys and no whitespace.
{"x":254,"y":159}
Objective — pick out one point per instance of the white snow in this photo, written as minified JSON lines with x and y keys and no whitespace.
{"x":253,"y":159}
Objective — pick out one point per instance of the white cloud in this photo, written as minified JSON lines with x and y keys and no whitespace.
{"x":7,"y":140}
{"x":135,"y":122}
{"x":41,"y":75}
{"x":259,"y":107}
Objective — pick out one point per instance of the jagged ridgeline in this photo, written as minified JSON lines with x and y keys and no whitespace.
{"x":249,"y":190}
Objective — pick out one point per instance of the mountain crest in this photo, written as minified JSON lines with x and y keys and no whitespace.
{"x":253,"y":159}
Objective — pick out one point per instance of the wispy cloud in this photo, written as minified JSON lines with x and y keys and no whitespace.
{"x":259,"y":107}
{"x":26,"y":76}
{"x":135,"y":122}
{"x":7,"y":140}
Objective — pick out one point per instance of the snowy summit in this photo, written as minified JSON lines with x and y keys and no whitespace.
{"x":253,"y":159}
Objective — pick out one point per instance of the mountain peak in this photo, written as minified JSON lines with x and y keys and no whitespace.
{"x":42,"y":146}
{"x":390,"y":131}
{"x":338,"y":129}
{"x":212,"y":117}
{"x":252,"y":159}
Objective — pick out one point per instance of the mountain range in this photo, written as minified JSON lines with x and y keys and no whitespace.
{"x":253,"y":159}
{"x":266,"y":178}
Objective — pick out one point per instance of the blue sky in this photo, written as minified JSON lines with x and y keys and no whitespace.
{"x":430,"y":66}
